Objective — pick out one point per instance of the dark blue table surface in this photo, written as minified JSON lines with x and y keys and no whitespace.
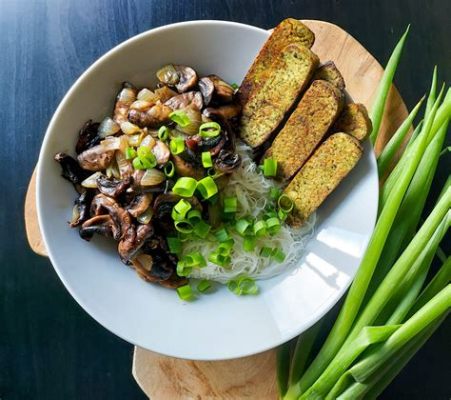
{"x":49,"y":347}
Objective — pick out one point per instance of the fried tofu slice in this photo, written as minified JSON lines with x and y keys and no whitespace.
{"x":321,"y":174}
{"x":355,"y":121}
{"x":288,"y":31}
{"x":330,"y":73}
{"x":306,"y":127}
{"x":286,"y":79}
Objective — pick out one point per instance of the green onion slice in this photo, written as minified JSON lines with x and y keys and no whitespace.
{"x":207,"y":187}
{"x":270,"y":167}
{"x":273,"y":225}
{"x":242,"y":286}
{"x":194,"y":259}
{"x":209,"y":129}
{"x":285,"y":204}
{"x":243,"y":227}
{"x":278,"y":255}
{"x":206,"y":159}
{"x":266,"y":251}
{"x":185,"y":293}
{"x":180,"y":210}
{"x":201,"y":229}
{"x":163,"y":133}
{"x":183,"y":226}
{"x":169,"y":169}
{"x":194,"y":216}
{"x":183,"y":269}
{"x":177,"y":145}
{"x":230,"y":204}
{"x":218,"y":259}
{"x":225,"y":248}
{"x":180,"y":118}
{"x":185,"y":186}
{"x":174,"y":244}
{"x":222,"y":235}
{"x":234,"y":86}
{"x":130,"y":153}
{"x":249,"y":243}
{"x":275,"y":193}
{"x":204,"y":286}
{"x":260,"y":228}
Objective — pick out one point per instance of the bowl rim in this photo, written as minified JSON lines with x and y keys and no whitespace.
{"x":40,"y":196}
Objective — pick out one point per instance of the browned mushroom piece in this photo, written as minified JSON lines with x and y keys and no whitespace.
{"x":228,"y":111}
{"x":185,"y":100}
{"x":133,"y":240}
{"x":124,"y":99}
{"x":71,"y":170}
{"x":101,"y":224}
{"x":139,"y":204}
{"x":187,"y":78}
{"x":213,"y":145}
{"x":113,"y":187}
{"x":206,"y":88}
{"x":87,"y":136}
{"x":227,"y":161}
{"x":154,"y":117}
{"x":223,"y":91}
{"x":187,"y":166}
{"x":81,"y":208}
{"x":96,"y":158}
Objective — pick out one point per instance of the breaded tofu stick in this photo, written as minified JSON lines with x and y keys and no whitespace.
{"x":321,"y":174}
{"x":288,"y":31}
{"x":306,"y":127}
{"x":354,"y":120}
{"x":330,"y":73}
{"x":285,"y":80}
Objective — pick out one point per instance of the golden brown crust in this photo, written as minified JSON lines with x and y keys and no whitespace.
{"x":282,"y":85}
{"x":354,"y":120}
{"x":330,"y":73}
{"x":321,"y":174}
{"x":288,"y":31}
{"x":306,"y":127}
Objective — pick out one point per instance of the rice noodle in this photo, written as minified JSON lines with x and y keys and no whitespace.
{"x":252,"y":191}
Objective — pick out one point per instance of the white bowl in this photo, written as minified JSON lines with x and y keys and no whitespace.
{"x":220,"y":325}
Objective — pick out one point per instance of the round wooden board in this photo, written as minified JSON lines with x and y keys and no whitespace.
{"x":253,"y":377}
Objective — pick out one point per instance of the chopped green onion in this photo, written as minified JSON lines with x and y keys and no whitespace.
{"x":222,"y":235}
{"x":266,"y":251}
{"x":278,"y":255}
{"x":206,"y":159}
{"x":180,"y":118}
{"x":207,"y":187}
{"x":130,"y":153}
{"x":194,"y":259}
{"x":138,"y":164}
{"x":230,"y":204}
{"x":249,"y":243}
{"x":145,"y":160}
{"x":270,"y":214}
{"x":242,"y":286}
{"x":183,"y":269}
{"x":243,"y":227}
{"x":174,"y":244}
{"x":218,"y":259}
{"x":163,"y":133}
{"x":194,"y":216}
{"x":185,"y":186}
{"x":180,"y":210}
{"x":209,"y":129}
{"x":144,"y":152}
{"x":270,"y":167}
{"x":234,"y":86}
{"x":282,"y":215}
{"x":202,"y":229}
{"x":183,"y":226}
{"x":273,"y":225}
{"x":275,"y":193}
{"x":169,"y":169}
{"x":177,"y":145}
{"x":185,"y":293}
{"x":285,"y":204}
{"x":204,"y":286}
{"x":260,"y":228}
{"x":225,"y":248}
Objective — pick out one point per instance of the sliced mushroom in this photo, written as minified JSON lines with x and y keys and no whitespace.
{"x":164,"y":93}
{"x":81,"y":208}
{"x":187,"y":78}
{"x":228,"y":111}
{"x":113,"y":187}
{"x":227,"y":161}
{"x":133,"y":240}
{"x":124,"y":99}
{"x":95,"y":158}
{"x":185,"y":166}
{"x":87,"y":136}
{"x":185,"y":100}
{"x":207,"y":88}
{"x":223,"y":91}
{"x":161,"y":152}
{"x":139,"y":204}
{"x":154,"y":117}
{"x":101,"y":224}
{"x":71,"y":170}
{"x":214,"y":144}
{"x":162,"y":206}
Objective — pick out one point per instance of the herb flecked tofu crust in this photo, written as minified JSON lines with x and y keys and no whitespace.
{"x":288,"y":31}
{"x":306,"y":127}
{"x":283,"y":83}
{"x":330,"y":73}
{"x":354,"y":120}
{"x":321,"y":174}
